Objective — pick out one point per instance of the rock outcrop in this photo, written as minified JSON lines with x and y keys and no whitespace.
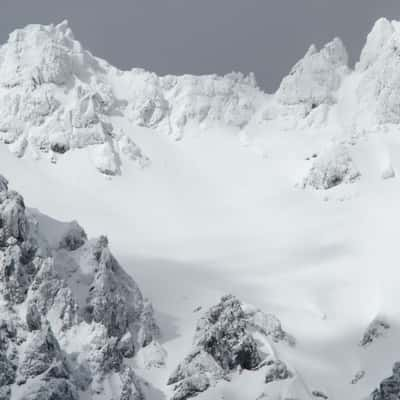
{"x":376,"y":329}
{"x":389,"y":388}
{"x":332,"y":168}
{"x":224,"y":342}
{"x":70,"y":315}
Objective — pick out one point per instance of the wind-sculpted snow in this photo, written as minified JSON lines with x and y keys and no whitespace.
{"x":70,"y":315}
{"x":226,"y":341}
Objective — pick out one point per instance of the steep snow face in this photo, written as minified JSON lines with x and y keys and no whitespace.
{"x":70,"y":315}
{"x":379,"y":87}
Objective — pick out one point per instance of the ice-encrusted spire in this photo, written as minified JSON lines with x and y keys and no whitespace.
{"x":316,"y":76}
{"x":379,"y":88}
{"x":377,"y":39}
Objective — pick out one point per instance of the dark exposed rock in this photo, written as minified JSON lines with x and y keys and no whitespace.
{"x":33,"y":317}
{"x":319,"y":395}
{"x":3,"y":184}
{"x":60,"y":148}
{"x":130,"y":386}
{"x":13,"y":218}
{"x":357,"y":377}
{"x":191,"y":387}
{"x":375,"y":330}
{"x":40,"y":351}
{"x":5,"y":393}
{"x":71,"y":288}
{"x":276,"y":371}
{"x":73,"y":238}
{"x":48,"y":291}
{"x":114,"y":299}
{"x":223,"y":343}
{"x":389,"y":388}
{"x":7,"y":371}
{"x":55,"y":389}
{"x":222,"y":333}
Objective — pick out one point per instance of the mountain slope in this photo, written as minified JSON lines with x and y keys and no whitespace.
{"x":289,"y":201}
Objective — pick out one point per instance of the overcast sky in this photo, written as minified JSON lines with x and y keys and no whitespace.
{"x":205,"y":36}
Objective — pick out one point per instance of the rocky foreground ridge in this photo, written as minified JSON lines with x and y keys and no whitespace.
{"x":70,"y":317}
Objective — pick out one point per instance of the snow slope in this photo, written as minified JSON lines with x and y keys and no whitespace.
{"x":288,"y":201}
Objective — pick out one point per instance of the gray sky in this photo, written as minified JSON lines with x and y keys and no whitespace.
{"x":205,"y":36}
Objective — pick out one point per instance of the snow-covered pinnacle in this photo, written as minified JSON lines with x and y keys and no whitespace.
{"x":379,"y":87}
{"x":376,"y":41}
{"x":316,"y":77}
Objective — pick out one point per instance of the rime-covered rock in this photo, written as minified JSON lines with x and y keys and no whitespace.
{"x":223,"y":334}
{"x":80,"y":315}
{"x":40,"y":351}
{"x":379,"y":102}
{"x":7,"y":370}
{"x":55,"y":389}
{"x":333,"y":167}
{"x":277,"y":371}
{"x":377,"y":328}
{"x":315,"y":78}
{"x":389,"y":388}
{"x":224,"y":342}
{"x":267,"y":324}
{"x":73,"y":238}
{"x":3,"y":184}
{"x":55,"y":96}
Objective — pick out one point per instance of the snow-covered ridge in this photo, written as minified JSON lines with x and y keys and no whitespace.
{"x":55,"y":96}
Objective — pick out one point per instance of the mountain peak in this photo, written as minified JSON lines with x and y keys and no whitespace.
{"x":377,"y":39}
{"x":316,"y":76}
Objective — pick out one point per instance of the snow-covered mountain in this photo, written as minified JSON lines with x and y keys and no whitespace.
{"x":205,"y":185}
